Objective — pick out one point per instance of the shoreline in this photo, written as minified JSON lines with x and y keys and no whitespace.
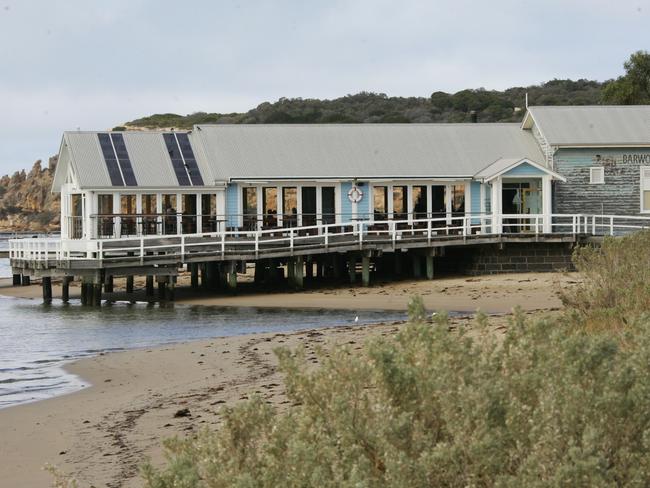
{"x":102,"y":432}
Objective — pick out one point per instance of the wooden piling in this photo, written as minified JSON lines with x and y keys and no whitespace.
{"x":96,"y":294}
{"x":429,"y":267}
{"x":162,"y":286}
{"x":46,"y":283}
{"x":109,"y":284}
{"x":16,"y":280}
{"x":194,"y":272}
{"x":149,"y":288}
{"x":25,"y":281}
{"x":365,"y":270}
{"x":352,"y":268}
{"x":65,"y":289}
{"x":417,"y":265}
{"x":129,"y":284}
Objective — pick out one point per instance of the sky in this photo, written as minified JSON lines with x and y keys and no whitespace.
{"x":92,"y":65}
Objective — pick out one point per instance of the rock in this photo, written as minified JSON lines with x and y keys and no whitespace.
{"x":183,"y":412}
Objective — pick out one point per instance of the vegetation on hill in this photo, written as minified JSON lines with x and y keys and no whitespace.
{"x":553,"y":403}
{"x":490,"y":106}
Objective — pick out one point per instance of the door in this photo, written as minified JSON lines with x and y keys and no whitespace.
{"x":328,"y":209}
{"x":75,"y":227}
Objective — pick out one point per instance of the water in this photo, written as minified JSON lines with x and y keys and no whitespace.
{"x":36,"y":340}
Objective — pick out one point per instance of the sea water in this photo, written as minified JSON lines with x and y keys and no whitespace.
{"x":36,"y":340}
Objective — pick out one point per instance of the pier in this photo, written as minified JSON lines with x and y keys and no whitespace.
{"x":353,"y":251}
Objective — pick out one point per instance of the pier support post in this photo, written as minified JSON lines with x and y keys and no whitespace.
{"x":162,"y":289}
{"x":352,"y":268}
{"x":96,"y":294}
{"x":232,"y":280}
{"x":309,"y":269}
{"x":46,"y":282}
{"x":417,"y":271}
{"x":203,"y":267}
{"x":194,"y":279}
{"x":149,"y":286}
{"x":365,"y":270}
{"x":26,"y":281}
{"x":108,"y":284}
{"x":296,"y":272}
{"x":260,"y":271}
{"x":171,"y":288}
{"x":398,"y":263}
{"x":65,"y":289}
{"x":129,"y":283}
{"x":429,"y":266}
{"x":84,"y":292}
{"x":16,"y":280}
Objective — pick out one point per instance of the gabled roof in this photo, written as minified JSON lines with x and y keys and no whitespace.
{"x":592,"y":125}
{"x":503,"y":165}
{"x":358,"y":150}
{"x":148,"y":154}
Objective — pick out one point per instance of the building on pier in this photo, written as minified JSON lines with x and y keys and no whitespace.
{"x":228,"y":192}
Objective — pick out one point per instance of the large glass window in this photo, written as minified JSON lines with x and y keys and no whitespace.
{"x":400,"y":205}
{"x":308,"y":210}
{"x":328,"y":207}
{"x":208,"y":212}
{"x":189,"y":214}
{"x":249,"y":206}
{"x":127,"y":208}
{"x":380,"y":202}
{"x":270,"y":206}
{"x":149,"y":214}
{"x":289,"y":206}
{"x":458,"y":200}
{"x":169,"y":210}
{"x":105,"y":215}
{"x":438,"y":201}
{"x":419,"y":198}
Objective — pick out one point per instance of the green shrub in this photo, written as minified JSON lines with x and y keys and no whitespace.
{"x":615,"y":288}
{"x":430,"y":407}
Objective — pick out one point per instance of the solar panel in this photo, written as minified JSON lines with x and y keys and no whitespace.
{"x":177,"y":160}
{"x":110,"y":160}
{"x":124,"y":160}
{"x":190,"y":161}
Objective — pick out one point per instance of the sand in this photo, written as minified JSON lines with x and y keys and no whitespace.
{"x":102,"y":433}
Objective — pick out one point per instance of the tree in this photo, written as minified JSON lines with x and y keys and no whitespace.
{"x":633,"y":88}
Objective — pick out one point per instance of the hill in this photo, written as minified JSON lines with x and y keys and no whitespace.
{"x":364,"y":107}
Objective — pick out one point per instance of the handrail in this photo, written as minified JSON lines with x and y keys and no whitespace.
{"x":359,"y":233}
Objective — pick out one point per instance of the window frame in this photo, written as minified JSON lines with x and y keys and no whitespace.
{"x":601,"y":170}
{"x":643,"y":188}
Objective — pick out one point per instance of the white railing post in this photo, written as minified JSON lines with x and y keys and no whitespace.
{"x":428,"y":231}
{"x":593,"y":225}
{"x":327,"y":235}
{"x":464,"y":226}
{"x":360,"y":225}
{"x":291,"y":240}
{"x":257,"y":243}
{"x":611,"y":225}
{"x":223,"y":243}
{"x":182,"y":248}
{"x":141,"y":251}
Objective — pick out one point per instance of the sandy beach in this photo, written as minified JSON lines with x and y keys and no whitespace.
{"x":102,"y":433}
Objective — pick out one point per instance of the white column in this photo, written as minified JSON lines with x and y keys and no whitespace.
{"x":429,"y":202}
{"x":390,"y":209}
{"x":159,"y":211}
{"x":117,"y":208}
{"x":221,"y":210}
{"x":547,"y":208}
{"x":280,"y":200}
{"x":482,"y":207}
{"x":409,"y":203}
{"x":199,"y":213}
{"x":496,"y":205}
{"x":179,"y":213}
{"x":337,"y":203}
{"x":298,"y":205}
{"x":448,"y":200}
{"x":139,"y":224}
{"x":319,"y":204}
{"x":468,"y":204}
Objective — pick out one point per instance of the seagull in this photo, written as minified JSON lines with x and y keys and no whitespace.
{"x":356,"y":319}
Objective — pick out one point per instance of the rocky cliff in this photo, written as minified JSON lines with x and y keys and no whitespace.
{"x":26,"y":200}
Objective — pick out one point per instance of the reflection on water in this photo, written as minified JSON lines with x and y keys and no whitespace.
{"x":36,"y":340}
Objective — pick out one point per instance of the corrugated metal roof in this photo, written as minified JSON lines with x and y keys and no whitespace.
{"x":594,"y":125}
{"x":359,"y":150}
{"x":147,"y":151}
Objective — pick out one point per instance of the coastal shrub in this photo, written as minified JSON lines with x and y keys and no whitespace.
{"x":544,"y":405}
{"x":615,"y":288}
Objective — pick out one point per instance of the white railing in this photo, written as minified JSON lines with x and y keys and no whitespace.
{"x":350,"y":235}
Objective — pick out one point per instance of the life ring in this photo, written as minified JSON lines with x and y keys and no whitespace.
{"x":355,"y":194}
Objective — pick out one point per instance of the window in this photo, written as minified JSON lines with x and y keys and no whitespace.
{"x":249,"y":206}
{"x":419,"y":199}
{"x":380,"y":202}
{"x":399,"y":202}
{"x":645,"y":189}
{"x":596,"y":175}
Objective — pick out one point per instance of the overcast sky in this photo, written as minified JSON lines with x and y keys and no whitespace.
{"x":92,"y":65}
